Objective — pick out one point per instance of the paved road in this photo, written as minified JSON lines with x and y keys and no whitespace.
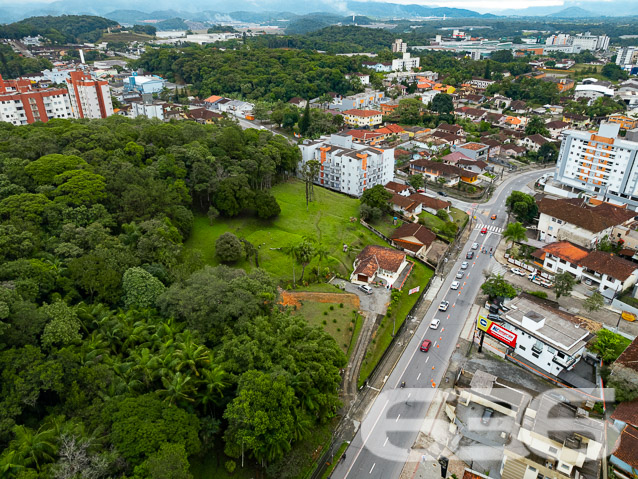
{"x":382,"y":444}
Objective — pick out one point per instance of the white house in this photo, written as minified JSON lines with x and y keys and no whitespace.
{"x":379,"y":264}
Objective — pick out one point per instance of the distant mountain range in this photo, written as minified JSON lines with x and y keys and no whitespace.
{"x":271,"y":10}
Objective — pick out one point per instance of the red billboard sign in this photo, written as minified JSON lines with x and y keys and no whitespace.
{"x":502,"y":334}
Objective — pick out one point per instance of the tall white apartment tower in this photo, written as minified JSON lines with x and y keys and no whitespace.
{"x":90,"y":98}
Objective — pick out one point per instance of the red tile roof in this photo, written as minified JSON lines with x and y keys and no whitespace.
{"x":364,"y":135}
{"x":629,"y":357}
{"x":454,"y":157}
{"x":609,"y":264}
{"x":362,"y":113}
{"x":473,"y":146}
{"x":627,"y":412}
{"x":396,"y":187}
{"x":430,"y":202}
{"x":567,"y":251}
{"x":404,"y":202}
{"x":576,"y":211}
{"x":627,"y":445}
{"x":413,"y":236}
{"x":374,"y":257}
{"x":441,"y":168}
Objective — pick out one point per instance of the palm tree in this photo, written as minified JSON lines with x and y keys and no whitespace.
{"x":291,"y":250}
{"x":322,"y":253}
{"x":34,"y":446}
{"x":190,"y":355}
{"x":515,"y":232}
{"x":177,"y":389}
{"x":10,"y":463}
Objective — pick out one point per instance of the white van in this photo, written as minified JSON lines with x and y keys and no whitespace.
{"x":365,"y":288}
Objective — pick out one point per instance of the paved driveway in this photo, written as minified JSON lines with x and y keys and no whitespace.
{"x":376,"y":302}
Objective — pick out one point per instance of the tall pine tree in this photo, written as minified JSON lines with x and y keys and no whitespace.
{"x":304,"y":123}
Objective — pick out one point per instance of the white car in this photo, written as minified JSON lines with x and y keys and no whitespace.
{"x":518,"y":271}
{"x":435,"y":324}
{"x":464,"y":265}
{"x":455,"y":285}
{"x":474,"y":245}
{"x":444,"y":305}
{"x":460,"y":274}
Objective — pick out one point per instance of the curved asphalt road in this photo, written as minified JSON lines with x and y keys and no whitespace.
{"x":384,"y":440}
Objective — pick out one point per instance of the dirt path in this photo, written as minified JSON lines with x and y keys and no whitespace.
{"x":294,"y":298}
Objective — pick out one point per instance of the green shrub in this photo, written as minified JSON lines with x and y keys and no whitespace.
{"x":332,"y":307}
{"x":341,"y":305}
{"x":324,"y":322}
{"x":334,"y":320}
{"x":539,"y":294}
{"x":325,"y":313}
{"x":230,"y":466}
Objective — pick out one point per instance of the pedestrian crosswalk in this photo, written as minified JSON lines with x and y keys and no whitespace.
{"x":489,"y":228}
{"x":498,"y":268}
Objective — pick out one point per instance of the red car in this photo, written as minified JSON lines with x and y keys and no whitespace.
{"x":425,"y":345}
{"x":484,"y":231}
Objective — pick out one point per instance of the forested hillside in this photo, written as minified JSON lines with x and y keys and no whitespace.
{"x":13,"y":65}
{"x":120,"y":354}
{"x":256,"y":73}
{"x":61,"y":29}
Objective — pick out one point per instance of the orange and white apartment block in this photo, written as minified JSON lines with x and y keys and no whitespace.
{"x":21,"y":103}
{"x":349,"y":167}
{"x":599,"y":164}
{"x":362,"y":118}
{"x":90,"y":98}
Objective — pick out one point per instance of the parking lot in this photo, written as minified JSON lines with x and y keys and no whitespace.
{"x":376,"y":302}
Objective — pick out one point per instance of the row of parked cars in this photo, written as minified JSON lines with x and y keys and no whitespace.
{"x":533,"y":277}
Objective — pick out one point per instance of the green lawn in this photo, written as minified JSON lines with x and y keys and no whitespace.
{"x":420,"y":276}
{"x":337,"y":322}
{"x":460,"y":217}
{"x":326,"y":221}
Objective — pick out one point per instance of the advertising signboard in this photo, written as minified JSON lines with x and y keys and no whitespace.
{"x":497,"y":332}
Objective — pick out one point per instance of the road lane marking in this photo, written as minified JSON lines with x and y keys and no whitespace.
{"x":366,"y":439}
{"x":435,"y":343}
{"x":417,"y":378}
{"x":386,"y":441}
{"x":427,"y":359}
{"x":372,"y":468}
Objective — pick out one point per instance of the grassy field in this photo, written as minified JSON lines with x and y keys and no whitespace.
{"x":327,"y":221}
{"x":460,"y":217}
{"x":337,"y":321}
{"x":420,"y":276}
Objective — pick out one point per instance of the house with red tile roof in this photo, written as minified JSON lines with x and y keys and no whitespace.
{"x":415,"y":238}
{"x":473,"y":150}
{"x":366,"y":137}
{"x":435,"y":170}
{"x":398,"y":188}
{"x":431,"y":204}
{"x":405,"y":205}
{"x":379,"y":264}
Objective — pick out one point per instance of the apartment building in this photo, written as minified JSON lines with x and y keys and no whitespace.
{"x":405,"y":63}
{"x":362,"y":118}
{"x":601,"y":165}
{"x":21,"y":104}
{"x":627,"y":57}
{"x":399,"y":46}
{"x":89,"y":98}
{"x":366,"y":99}
{"x":347,"y":166}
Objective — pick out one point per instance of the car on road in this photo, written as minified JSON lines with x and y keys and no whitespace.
{"x":444,"y":305}
{"x":484,"y":231}
{"x":442,"y":193}
{"x":464,"y":265}
{"x":435,"y":324}
{"x":474,"y":245}
{"x":455,"y":285}
{"x":421,"y":190}
{"x":469,"y":255}
{"x":425,"y":345}
{"x":487,"y":415}
{"x":493,"y":217}
{"x":460,"y":274}
{"x":365,"y":288}
{"x":518,"y":271}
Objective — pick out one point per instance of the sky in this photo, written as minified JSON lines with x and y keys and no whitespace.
{"x":482,"y":6}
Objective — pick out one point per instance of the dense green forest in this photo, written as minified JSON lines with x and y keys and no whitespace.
{"x":62,"y":29}
{"x":121,"y":355}
{"x":13,"y":65}
{"x":255,"y":73}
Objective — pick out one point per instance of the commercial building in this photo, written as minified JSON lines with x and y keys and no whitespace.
{"x":587,"y":41}
{"x":600,"y":165}
{"x":349,"y":167}
{"x":548,"y":338}
{"x":368,"y":98}
{"x":148,"y":109}
{"x":627,"y":58}
{"x":89,"y":98}
{"x":144,"y":84}
{"x":21,"y":104}
{"x":592,"y":89}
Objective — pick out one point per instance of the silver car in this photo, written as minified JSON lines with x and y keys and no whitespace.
{"x":464,"y":265}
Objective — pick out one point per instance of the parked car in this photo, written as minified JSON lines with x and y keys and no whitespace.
{"x":444,"y":305}
{"x":425,"y":345}
{"x":474,"y":245}
{"x":464,"y":265}
{"x":365,"y":288}
{"x":455,"y":285}
{"x":435,"y":324}
{"x":442,"y":193}
{"x":460,"y":274}
{"x":518,"y":271}
{"x":494,"y":317}
{"x":487,"y":415}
